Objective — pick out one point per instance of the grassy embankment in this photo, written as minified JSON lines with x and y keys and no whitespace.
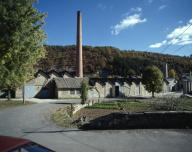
{"x":62,"y":118}
{"x":159,"y":104}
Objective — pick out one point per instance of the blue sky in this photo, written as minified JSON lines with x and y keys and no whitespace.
{"x":146,"y":25}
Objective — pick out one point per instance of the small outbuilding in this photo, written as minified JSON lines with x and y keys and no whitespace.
{"x":68,"y":87}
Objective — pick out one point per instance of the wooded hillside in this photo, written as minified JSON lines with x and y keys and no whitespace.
{"x":111,"y":60}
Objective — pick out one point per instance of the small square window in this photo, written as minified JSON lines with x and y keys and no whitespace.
{"x":78,"y":92}
{"x":72,"y":91}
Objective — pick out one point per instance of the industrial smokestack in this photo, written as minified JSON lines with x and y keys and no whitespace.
{"x":166,"y":71}
{"x":79,"y":64}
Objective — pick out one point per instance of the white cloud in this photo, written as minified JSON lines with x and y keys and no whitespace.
{"x":127,"y":22}
{"x":177,"y":37}
{"x":101,"y":6}
{"x":158,"y":45}
{"x":190,"y":21}
{"x":162,"y":7}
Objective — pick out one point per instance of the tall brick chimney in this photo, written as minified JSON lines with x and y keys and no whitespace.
{"x":79,"y":64}
{"x":166,"y":71}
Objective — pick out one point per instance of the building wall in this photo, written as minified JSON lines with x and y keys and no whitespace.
{"x":187,"y":86}
{"x":165,"y":88}
{"x":67,"y":93}
{"x":143,"y":91}
{"x":125,"y":90}
{"x":32,"y":88}
{"x":101,"y":89}
{"x":93,"y":93}
{"x":30,"y":91}
{"x":108,"y":90}
{"x":133,"y":89}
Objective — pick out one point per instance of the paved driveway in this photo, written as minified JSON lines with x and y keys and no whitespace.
{"x":33,"y":122}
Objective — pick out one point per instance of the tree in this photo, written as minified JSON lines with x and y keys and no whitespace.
{"x":131,"y":72}
{"x":153,"y":79}
{"x":84,"y":92}
{"x":172,"y":73}
{"x":21,"y":41}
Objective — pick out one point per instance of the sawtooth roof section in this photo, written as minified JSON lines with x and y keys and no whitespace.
{"x":69,"y":83}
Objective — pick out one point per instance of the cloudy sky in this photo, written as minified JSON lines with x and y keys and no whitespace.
{"x":163,"y":26}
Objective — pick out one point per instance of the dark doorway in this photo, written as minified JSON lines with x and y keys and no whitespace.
{"x":116,"y":91}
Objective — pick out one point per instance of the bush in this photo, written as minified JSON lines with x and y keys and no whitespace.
{"x":84,"y":92}
{"x":167,"y":104}
{"x":70,"y":110}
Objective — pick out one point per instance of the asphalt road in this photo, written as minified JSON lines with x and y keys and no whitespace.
{"x":33,"y":122}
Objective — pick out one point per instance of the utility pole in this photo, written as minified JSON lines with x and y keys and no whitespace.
{"x":24,"y":93}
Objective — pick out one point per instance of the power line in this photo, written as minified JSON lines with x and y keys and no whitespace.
{"x":176,"y":38}
{"x":179,"y":48}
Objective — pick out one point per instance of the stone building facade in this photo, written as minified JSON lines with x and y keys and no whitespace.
{"x":68,"y":87}
{"x":60,"y":85}
{"x":119,"y":88}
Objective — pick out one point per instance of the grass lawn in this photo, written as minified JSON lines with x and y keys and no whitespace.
{"x":6,"y":104}
{"x":158,"y":104}
{"x":104,"y":105}
{"x":129,"y":105}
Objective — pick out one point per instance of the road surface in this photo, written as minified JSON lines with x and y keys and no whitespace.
{"x":33,"y":122}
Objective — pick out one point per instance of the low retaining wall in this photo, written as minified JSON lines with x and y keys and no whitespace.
{"x":78,"y":107}
{"x":143,"y":120}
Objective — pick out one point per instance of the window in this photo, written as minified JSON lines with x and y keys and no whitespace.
{"x":72,"y":91}
{"x":78,"y":92}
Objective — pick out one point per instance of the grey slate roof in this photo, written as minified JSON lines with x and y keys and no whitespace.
{"x":68,"y":83}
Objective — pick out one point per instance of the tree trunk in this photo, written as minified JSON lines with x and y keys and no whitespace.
{"x":153,"y":94}
{"x":9,"y":95}
{"x":24,"y":94}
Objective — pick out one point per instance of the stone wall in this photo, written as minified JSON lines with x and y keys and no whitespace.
{"x":125,"y":90}
{"x":141,"y":120}
{"x":65,"y":93}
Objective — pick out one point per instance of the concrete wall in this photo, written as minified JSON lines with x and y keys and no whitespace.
{"x":141,"y":120}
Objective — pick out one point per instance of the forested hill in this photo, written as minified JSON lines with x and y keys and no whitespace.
{"x":111,"y":60}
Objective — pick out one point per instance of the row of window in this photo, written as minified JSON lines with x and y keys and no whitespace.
{"x":73,"y":92}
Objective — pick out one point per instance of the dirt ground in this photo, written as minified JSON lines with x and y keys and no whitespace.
{"x":93,"y":113}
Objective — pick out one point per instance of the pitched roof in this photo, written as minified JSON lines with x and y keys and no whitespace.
{"x":103,"y":81}
{"x":42,"y":73}
{"x":68,"y":83}
{"x":53,"y":72}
